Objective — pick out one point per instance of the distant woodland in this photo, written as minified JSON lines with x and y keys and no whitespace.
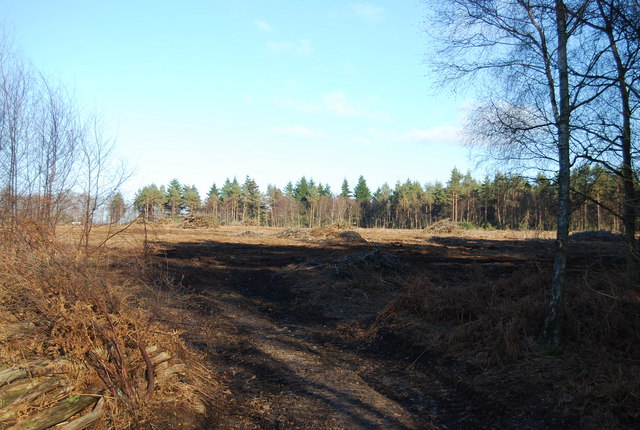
{"x":504,"y":201}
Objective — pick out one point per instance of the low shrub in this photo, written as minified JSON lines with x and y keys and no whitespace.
{"x":466,"y":225}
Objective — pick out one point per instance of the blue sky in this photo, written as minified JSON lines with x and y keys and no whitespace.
{"x":204,"y":90}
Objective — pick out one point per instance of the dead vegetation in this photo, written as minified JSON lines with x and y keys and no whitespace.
{"x":444,"y":226}
{"x":337,"y":289}
{"x":78,"y":348}
{"x":77,"y":331}
{"x":200,"y":221}
{"x":329,"y":234}
{"x":494,"y":324}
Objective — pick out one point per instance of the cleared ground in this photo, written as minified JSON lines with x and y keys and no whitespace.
{"x":322,"y":329}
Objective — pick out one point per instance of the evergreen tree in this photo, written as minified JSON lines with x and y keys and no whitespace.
{"x":174,"y":197}
{"x":213,"y":199}
{"x":454,"y":189}
{"x":313,"y":200}
{"x":213,"y":192}
{"x":288,"y":189}
{"x":149,"y":201}
{"x":116,"y":208}
{"x":191,"y":198}
{"x":230,"y":196}
{"x":469,"y":190}
{"x":251,"y":200}
{"x":382,"y":194}
{"x":325,"y":190}
{"x":361,"y":192}
{"x":302,"y":190}
{"x":272,"y":197}
{"x":344,"y":190}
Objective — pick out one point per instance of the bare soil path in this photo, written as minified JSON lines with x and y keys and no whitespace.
{"x":297,"y":360}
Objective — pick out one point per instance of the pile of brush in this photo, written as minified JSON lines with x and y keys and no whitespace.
{"x":201,"y":221}
{"x":78,"y":349}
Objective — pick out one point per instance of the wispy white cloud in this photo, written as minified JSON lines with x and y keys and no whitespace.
{"x":367,"y":11}
{"x":263,"y":25}
{"x":304,"y":47}
{"x":336,"y":103}
{"x":340,"y":104}
{"x":300,"y":131}
{"x":361,"y":140}
{"x":301,"y":47}
{"x":438,"y":135}
{"x":294,"y":104}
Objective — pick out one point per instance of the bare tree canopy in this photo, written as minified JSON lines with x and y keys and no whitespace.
{"x":547,"y":75}
{"x":55,"y":165}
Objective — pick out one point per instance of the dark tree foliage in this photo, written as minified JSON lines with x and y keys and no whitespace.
{"x":502,"y":201}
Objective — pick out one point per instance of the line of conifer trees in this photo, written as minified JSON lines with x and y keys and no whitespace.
{"x":504,"y":201}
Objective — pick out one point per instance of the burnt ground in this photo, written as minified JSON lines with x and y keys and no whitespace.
{"x":296,"y":356}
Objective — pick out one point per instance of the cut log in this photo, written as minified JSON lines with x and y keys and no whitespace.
{"x":168,"y":372}
{"x":151,"y":349}
{"x":86,"y":420}
{"x":10,"y":393}
{"x":159,"y":358}
{"x":11,"y":374}
{"x":31,"y":368}
{"x":62,"y":411}
{"x":22,"y":392}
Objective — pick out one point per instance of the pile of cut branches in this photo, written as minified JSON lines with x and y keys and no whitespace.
{"x":77,"y":348}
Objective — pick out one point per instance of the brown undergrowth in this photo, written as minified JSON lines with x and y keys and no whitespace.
{"x":100,"y":339}
{"x":357,"y":284}
{"x":495,"y":323}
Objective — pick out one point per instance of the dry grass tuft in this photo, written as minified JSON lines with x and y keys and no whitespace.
{"x":495,"y":325}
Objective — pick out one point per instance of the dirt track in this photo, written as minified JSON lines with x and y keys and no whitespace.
{"x":294,"y":359}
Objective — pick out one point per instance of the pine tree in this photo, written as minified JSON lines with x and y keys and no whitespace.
{"x":213,"y":200}
{"x":302,"y":190}
{"x":174,"y":197}
{"x":191,"y":198}
{"x":325,"y":190}
{"x":213,"y":192}
{"x":116,"y":208}
{"x":149,"y":201}
{"x":251,"y":200}
{"x":288,"y":189}
{"x":361,"y":192}
{"x":272,"y":197}
{"x":454,"y":189}
{"x":230,"y":196}
{"x":344,"y":190}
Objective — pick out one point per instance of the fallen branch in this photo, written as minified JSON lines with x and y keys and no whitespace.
{"x":86,"y":420}
{"x":62,"y":411}
{"x":31,"y":368}
{"x":149,"y":366}
{"x":26,"y":392}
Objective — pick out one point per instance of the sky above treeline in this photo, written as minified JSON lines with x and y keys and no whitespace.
{"x":207,"y":90}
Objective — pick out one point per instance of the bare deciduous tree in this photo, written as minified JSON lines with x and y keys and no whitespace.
{"x":48,"y":153}
{"x":100,"y":175}
{"x":519,"y":50}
